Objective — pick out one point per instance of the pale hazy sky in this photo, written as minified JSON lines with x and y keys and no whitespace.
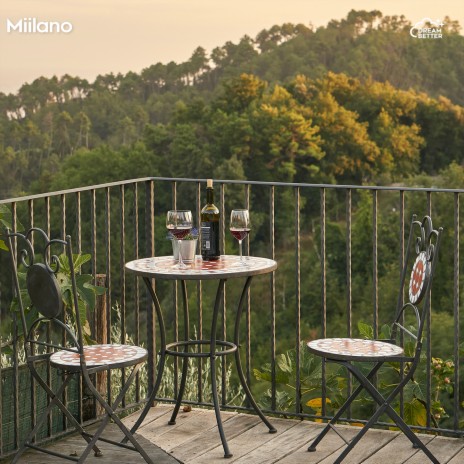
{"x":129,"y":35}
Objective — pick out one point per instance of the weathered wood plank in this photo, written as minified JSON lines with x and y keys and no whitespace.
{"x":281,"y":446}
{"x":195,"y":440}
{"x":111,"y":454}
{"x":188,"y":430}
{"x":331,"y":445}
{"x":209,"y":439}
{"x":397,"y":451}
{"x":443,"y":449}
{"x":372,"y":441}
{"x":244,"y":443}
{"x":459,"y":458}
{"x":153,"y":413}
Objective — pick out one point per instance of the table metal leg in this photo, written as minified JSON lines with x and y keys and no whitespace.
{"x":219,"y":295}
{"x":185,"y":360}
{"x":239,"y":362}
{"x":162,"y":358}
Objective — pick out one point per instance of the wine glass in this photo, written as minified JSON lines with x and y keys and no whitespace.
{"x":240,"y":227}
{"x":179,"y":223}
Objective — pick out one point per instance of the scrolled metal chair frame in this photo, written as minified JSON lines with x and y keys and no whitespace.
{"x":427,"y":240}
{"x":27,"y":257}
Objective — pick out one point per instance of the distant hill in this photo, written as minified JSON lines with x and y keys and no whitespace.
{"x":50,"y":119}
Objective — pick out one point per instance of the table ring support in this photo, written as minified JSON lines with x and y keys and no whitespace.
{"x":184,"y":354}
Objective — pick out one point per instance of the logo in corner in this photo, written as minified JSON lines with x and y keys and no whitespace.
{"x":427,"y":29}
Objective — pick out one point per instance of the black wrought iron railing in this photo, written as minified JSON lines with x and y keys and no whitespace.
{"x":340,"y":249}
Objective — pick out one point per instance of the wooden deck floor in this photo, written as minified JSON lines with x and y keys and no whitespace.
{"x":195,"y":440}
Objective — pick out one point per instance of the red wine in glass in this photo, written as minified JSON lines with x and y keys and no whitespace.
{"x":239,"y":233}
{"x":240,"y":227}
{"x":179,"y":232}
{"x":179,"y":223}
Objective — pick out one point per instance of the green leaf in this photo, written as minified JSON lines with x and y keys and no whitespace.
{"x":415,"y":413}
{"x":281,"y":377}
{"x":366,"y":330}
{"x":3,"y":245}
{"x":284,"y":363}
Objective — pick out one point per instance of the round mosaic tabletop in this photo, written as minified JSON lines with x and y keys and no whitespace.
{"x":354,"y":348}
{"x":227,"y":267}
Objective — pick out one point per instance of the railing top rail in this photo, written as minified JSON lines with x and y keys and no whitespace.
{"x":393,"y":188}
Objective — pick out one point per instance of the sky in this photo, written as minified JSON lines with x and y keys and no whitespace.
{"x":129,"y":35}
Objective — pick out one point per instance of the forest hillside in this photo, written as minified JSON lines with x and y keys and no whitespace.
{"x":356,"y":101}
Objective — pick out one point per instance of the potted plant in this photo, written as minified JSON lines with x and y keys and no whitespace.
{"x":188,"y":246}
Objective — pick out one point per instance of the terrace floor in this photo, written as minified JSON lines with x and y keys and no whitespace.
{"x":194,"y":439}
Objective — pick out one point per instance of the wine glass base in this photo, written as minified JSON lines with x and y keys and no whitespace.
{"x":181,"y":266}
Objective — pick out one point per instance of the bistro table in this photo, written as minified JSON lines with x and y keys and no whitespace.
{"x":227,"y":267}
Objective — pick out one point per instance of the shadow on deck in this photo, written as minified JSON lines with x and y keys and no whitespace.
{"x":195,"y":439}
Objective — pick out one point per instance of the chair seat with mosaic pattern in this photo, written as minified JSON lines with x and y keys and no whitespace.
{"x":103,"y":356}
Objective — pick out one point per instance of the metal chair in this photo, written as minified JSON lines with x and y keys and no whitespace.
{"x":345,"y":351}
{"x":38,"y":256}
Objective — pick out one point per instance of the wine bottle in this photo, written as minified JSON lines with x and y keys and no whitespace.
{"x":209,"y":217}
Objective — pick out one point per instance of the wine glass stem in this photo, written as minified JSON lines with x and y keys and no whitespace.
{"x":240,"y":248}
{"x":181,"y":263}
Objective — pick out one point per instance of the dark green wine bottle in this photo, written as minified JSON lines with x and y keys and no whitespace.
{"x":210,"y":249}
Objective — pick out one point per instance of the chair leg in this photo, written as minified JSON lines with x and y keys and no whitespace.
{"x":344,"y":407}
{"x":55,"y":401}
{"x":111,"y":414}
{"x":385,"y":407}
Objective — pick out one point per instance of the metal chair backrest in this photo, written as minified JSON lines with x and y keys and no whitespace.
{"x":36,"y":265}
{"x":423,"y":246}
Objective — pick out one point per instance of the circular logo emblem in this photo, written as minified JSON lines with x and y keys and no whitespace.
{"x":419,"y":277}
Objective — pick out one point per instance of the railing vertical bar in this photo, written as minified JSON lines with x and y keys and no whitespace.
{"x":456,"y":314}
{"x":15,"y":346}
{"x":136,"y":285}
{"x":375,"y":274}
{"x":224,"y":301}
{"x":78,"y":223}
{"x":175,"y":302}
{"x":79,"y":251}
{"x":199,"y":300}
{"x":429,"y":337}
{"x":122,"y":261}
{"x":348,"y":283}
{"x":248,"y":300}
{"x":297,"y":301}
{"x":150,"y":251}
{"x":323,"y":294}
{"x":49,"y":335}
{"x":93,"y":247}
{"x":63,"y":236}
{"x":30,"y":205}
{"x":108,"y":277}
{"x":402,"y":257}
{"x":273,"y":296}
{"x":375,"y":271}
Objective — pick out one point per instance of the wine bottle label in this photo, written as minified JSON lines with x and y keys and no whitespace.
{"x":210,"y":239}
